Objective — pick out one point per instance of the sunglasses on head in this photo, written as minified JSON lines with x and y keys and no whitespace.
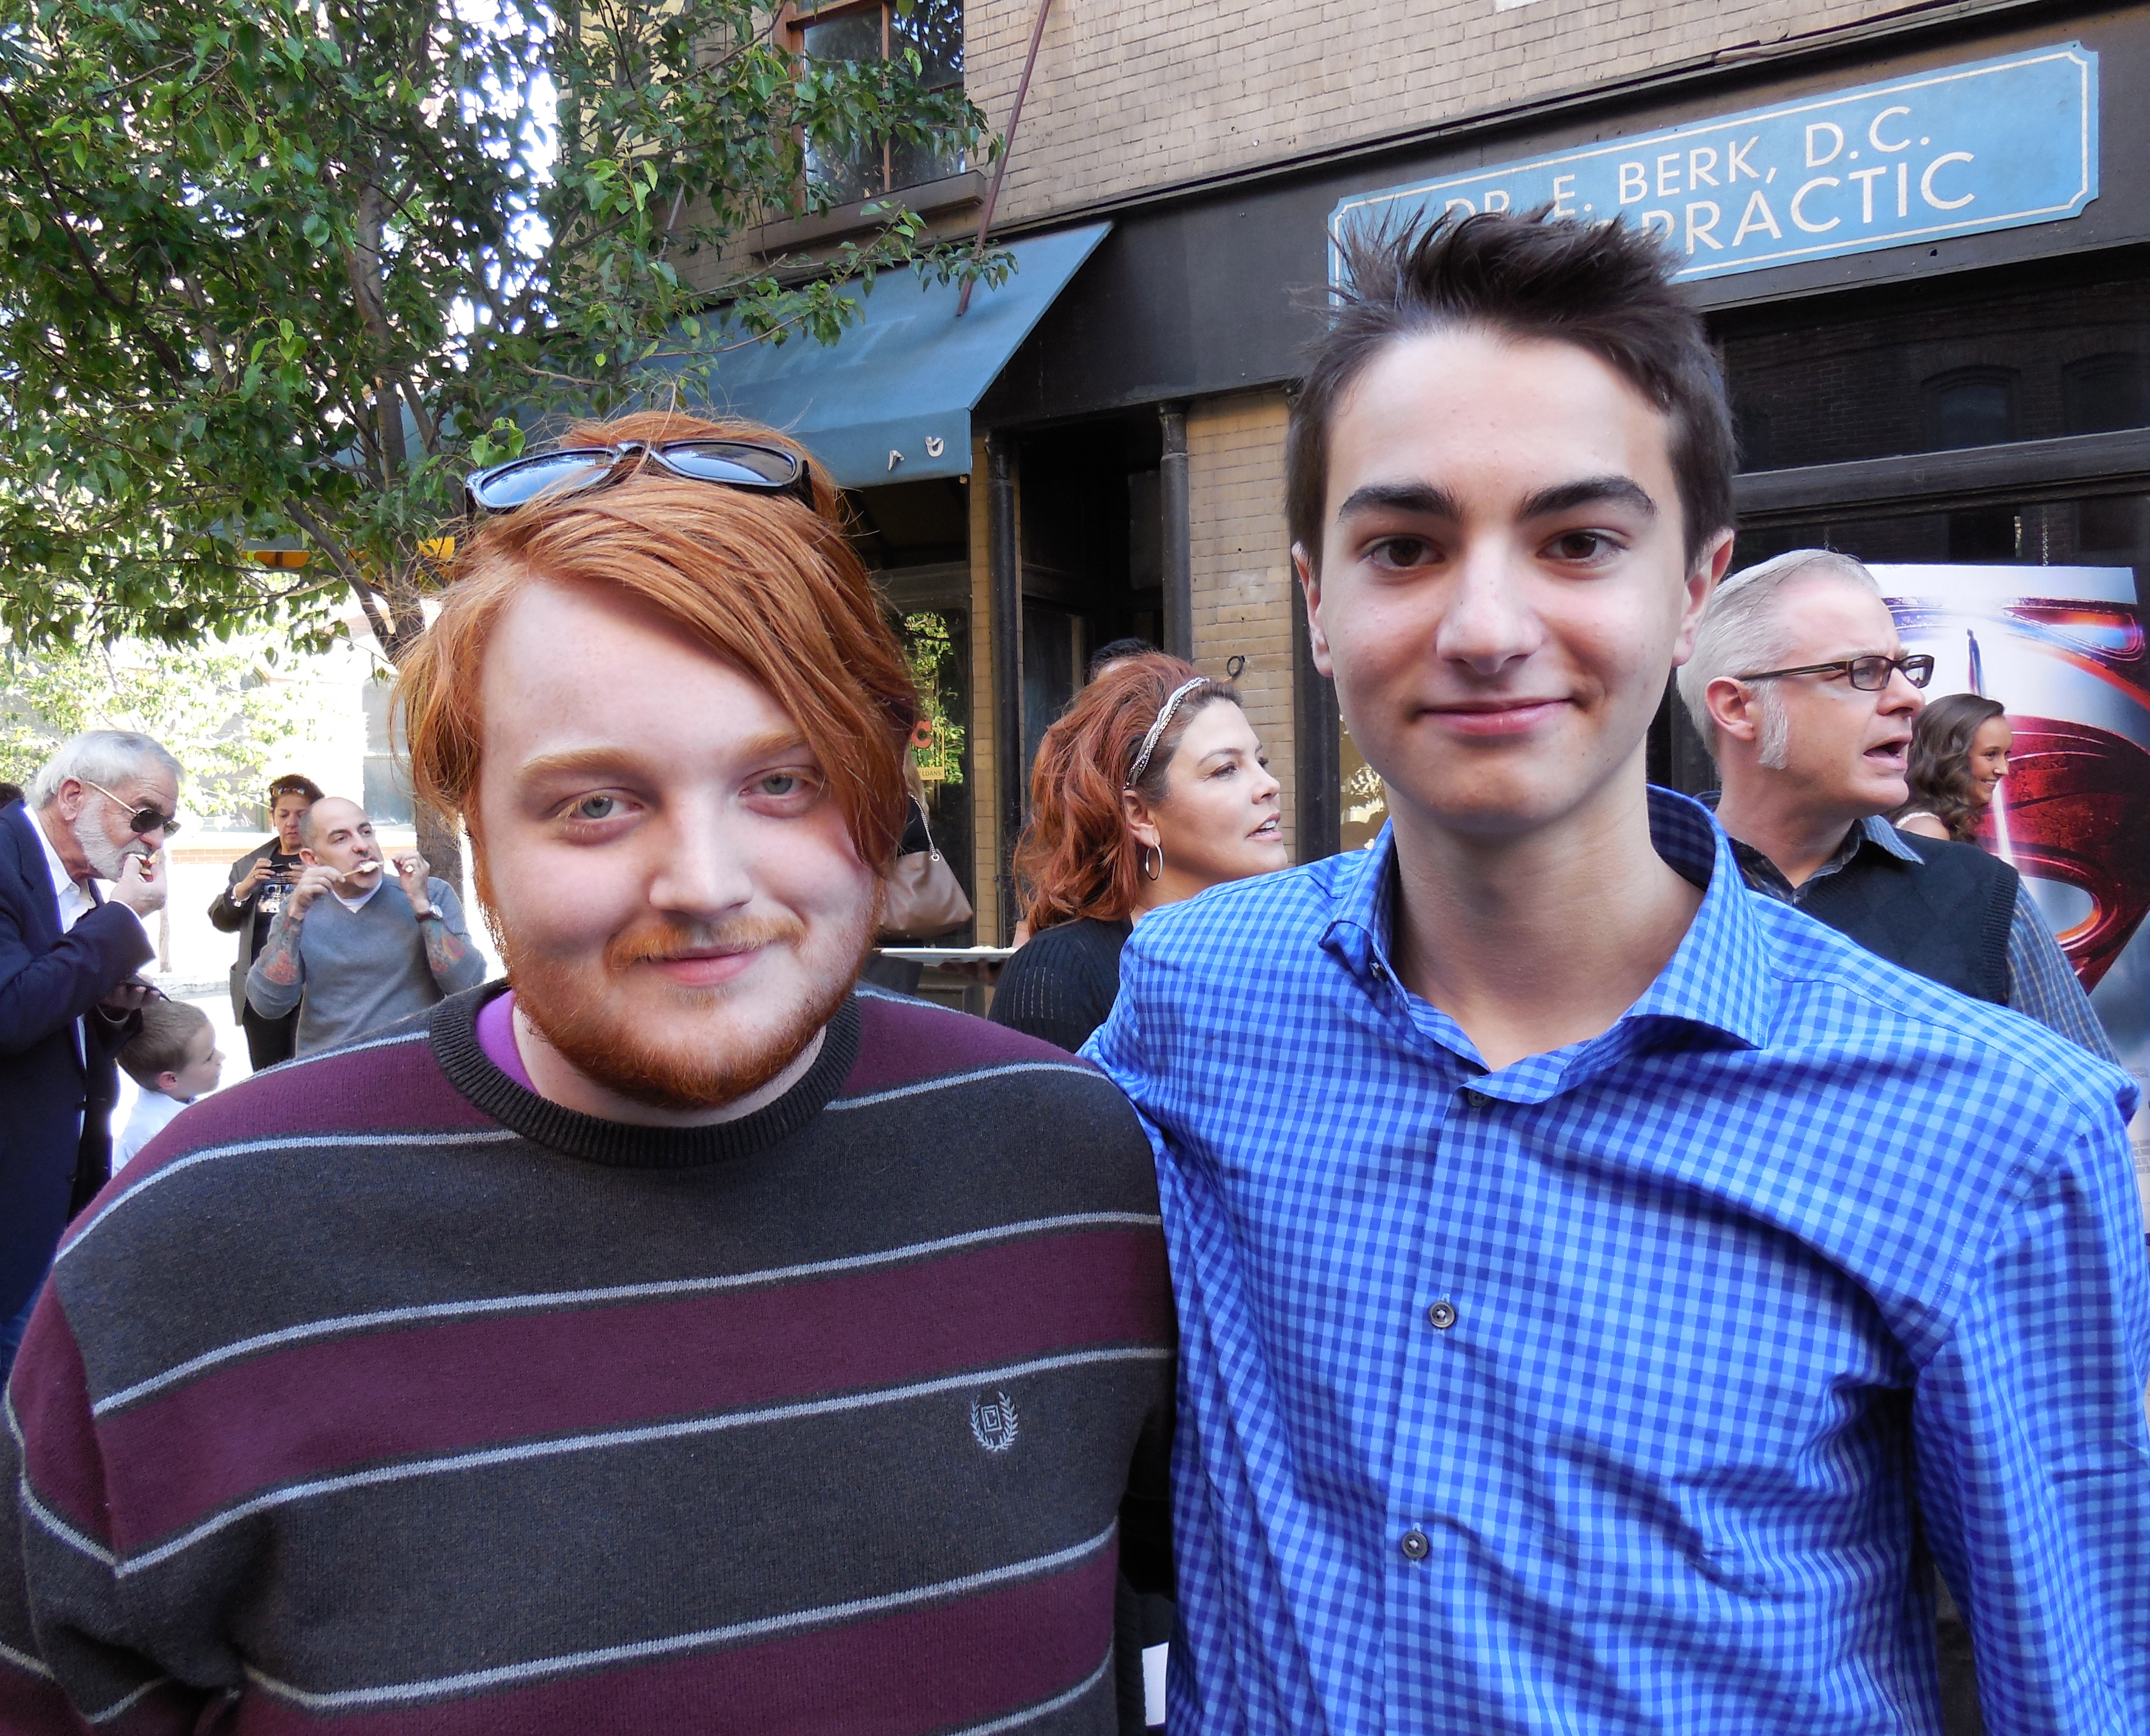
{"x":141,"y":820}
{"x":727,"y":463}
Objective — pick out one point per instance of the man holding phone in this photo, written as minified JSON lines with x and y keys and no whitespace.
{"x":248,"y":907}
{"x":377,"y":947}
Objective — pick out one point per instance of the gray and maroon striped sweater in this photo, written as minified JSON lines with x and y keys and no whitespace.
{"x":379,"y":1395}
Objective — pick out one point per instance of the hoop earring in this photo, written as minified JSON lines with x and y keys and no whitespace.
{"x":1142,"y":861}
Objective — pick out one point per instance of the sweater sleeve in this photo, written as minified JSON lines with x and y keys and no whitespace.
{"x":272,"y":1000}
{"x":74,"y":1651}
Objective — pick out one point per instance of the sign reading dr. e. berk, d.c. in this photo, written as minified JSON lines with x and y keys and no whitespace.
{"x":1997,"y":144}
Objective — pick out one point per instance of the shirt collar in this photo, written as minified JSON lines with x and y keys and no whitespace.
{"x":1764,"y":875}
{"x":1719,"y":977}
{"x":65,"y":887}
{"x":365,"y":898}
{"x":1878,"y":830}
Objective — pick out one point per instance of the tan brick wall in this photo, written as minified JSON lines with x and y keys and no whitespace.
{"x":985,"y":783}
{"x":1127,"y":95}
{"x":1243,"y":592}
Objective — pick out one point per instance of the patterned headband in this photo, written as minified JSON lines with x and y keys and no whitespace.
{"x":1156,"y":728}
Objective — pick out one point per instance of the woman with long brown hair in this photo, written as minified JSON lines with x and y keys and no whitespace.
{"x":1151,"y":787}
{"x":1960,"y":748}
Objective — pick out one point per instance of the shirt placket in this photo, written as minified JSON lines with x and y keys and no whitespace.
{"x":1442,"y":1484}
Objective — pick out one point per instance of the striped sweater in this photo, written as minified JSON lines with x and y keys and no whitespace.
{"x":382,"y":1394}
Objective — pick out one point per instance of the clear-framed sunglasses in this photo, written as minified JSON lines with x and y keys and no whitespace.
{"x":1868,"y":674}
{"x":726,"y":463}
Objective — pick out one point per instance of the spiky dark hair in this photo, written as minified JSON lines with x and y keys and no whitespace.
{"x":1603,"y":287}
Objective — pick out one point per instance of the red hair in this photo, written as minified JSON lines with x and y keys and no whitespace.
{"x":773,"y":588}
{"x":1078,"y":857}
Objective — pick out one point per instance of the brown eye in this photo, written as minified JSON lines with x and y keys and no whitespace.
{"x":1396,"y":553}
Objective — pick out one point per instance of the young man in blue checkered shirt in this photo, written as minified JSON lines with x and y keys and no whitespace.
{"x":1604,"y":1291}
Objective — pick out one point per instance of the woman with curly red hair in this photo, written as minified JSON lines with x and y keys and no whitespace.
{"x":1151,"y":787}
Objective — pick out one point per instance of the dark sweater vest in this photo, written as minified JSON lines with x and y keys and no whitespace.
{"x":1947,"y":918}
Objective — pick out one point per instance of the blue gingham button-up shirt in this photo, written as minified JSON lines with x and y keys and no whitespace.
{"x":1624,"y":1389}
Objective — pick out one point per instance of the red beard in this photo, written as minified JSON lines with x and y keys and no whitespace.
{"x":698,"y":1059}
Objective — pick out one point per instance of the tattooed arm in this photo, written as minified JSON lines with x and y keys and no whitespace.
{"x":454,"y":962}
{"x":278,"y":976}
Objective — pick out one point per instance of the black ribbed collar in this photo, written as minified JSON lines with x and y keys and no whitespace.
{"x":454,"y":1031}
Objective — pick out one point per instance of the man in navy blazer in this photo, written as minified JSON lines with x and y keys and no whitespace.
{"x":100,"y":810}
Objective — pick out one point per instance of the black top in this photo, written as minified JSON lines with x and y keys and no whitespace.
{"x":1061,"y":984}
{"x":260,"y":906}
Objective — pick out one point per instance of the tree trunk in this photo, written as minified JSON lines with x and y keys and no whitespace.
{"x":440,"y":838}
{"x":440,"y":843}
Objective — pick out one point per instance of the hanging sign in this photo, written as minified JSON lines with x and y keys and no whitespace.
{"x":1997,"y":144}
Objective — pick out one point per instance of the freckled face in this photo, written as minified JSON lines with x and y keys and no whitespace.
{"x":680,"y":901}
{"x":1503,"y":585}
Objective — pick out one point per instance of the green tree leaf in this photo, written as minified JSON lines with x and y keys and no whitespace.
{"x":280,"y":272}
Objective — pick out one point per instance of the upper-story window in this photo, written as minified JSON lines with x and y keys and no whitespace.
{"x":2100,"y":393}
{"x":877,"y":30}
{"x":1970,"y":406}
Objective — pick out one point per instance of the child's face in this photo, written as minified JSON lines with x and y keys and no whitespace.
{"x":204,"y":1067}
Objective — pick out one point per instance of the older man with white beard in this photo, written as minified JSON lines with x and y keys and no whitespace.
{"x":99,"y":811}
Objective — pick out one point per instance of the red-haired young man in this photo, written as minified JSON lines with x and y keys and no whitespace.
{"x":675,"y":1337}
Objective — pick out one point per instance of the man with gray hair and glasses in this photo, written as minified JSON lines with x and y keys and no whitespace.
{"x":100,"y":810}
{"x":1801,"y":690}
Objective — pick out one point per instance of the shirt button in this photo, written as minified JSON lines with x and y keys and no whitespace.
{"x":1416,"y":1546}
{"x":1381,"y":972}
{"x":1475,"y":1099}
{"x":1440,"y":1316}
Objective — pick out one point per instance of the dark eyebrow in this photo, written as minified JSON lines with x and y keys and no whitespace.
{"x":1421,"y":499}
{"x":1590,"y":492}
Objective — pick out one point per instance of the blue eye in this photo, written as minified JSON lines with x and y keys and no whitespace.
{"x":595,"y":807}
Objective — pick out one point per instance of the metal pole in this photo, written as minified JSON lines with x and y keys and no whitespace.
{"x":1004,"y":576}
{"x":1178,"y":538}
{"x":1316,"y":768}
{"x":1007,"y":150}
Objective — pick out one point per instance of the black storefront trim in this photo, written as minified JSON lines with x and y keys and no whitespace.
{"x":2018,"y":470}
{"x":1004,"y":581}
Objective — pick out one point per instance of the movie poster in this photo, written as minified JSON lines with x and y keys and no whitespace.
{"x":2062,"y":649}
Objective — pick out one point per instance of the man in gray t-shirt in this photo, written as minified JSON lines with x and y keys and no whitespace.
{"x":355,"y":948}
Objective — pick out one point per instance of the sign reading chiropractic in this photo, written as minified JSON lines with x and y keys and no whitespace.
{"x":1997,"y":144}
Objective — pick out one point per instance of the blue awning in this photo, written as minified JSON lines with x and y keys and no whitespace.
{"x":890,"y":400}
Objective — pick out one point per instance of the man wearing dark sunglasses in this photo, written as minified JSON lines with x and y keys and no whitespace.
{"x":99,"y":811}
{"x":1803,"y":693}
